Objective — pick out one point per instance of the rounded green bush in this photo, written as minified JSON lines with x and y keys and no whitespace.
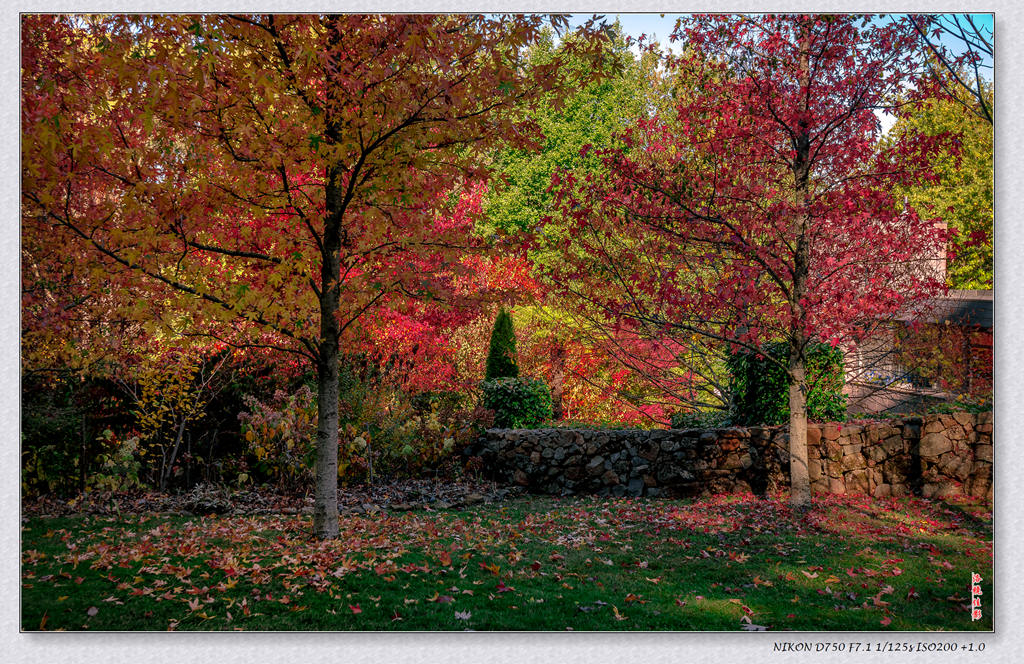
{"x":518,"y":403}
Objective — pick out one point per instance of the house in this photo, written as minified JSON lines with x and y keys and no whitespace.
{"x":940,"y":355}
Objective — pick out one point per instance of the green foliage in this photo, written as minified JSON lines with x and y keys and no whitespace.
{"x":502,"y":360}
{"x":424,"y":402}
{"x":963,"y":194}
{"x":118,"y":464}
{"x":973,"y":407}
{"x":701,"y":419}
{"x":281,"y":434}
{"x":760,"y":386}
{"x":518,"y":403}
{"x":569,"y":120}
{"x":50,"y":450}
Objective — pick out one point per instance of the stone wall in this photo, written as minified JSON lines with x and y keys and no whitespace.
{"x":934,"y":455}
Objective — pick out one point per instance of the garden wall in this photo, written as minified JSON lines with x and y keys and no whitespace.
{"x":934,"y":455}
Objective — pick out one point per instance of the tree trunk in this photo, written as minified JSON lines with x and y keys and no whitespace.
{"x":325,"y":505}
{"x":166,"y":469}
{"x":799,"y":480}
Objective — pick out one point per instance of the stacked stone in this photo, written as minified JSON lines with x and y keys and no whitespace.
{"x":934,"y":456}
{"x":634,"y":462}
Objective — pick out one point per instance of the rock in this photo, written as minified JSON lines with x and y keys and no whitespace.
{"x":671,"y":445}
{"x":473,"y":499}
{"x":940,"y":490}
{"x":853,"y":461}
{"x":893,"y":445}
{"x":610,"y":477}
{"x":876,"y":453}
{"x":857,"y":482}
{"x":983,"y":453}
{"x":934,"y":444}
{"x":649,"y":451}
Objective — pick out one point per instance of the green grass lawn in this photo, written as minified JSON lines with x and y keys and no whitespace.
{"x":729,"y":563}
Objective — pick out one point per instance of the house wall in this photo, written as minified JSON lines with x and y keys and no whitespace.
{"x":933,"y":456}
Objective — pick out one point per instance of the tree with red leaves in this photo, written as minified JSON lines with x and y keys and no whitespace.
{"x":267,"y":181}
{"x":762,"y":208}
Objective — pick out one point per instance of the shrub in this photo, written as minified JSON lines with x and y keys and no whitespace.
{"x":502,"y":360}
{"x":517,"y":403}
{"x":281,"y":434}
{"x":760,"y":387}
{"x":704,"y":419}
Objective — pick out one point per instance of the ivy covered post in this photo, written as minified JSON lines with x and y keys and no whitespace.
{"x":502,"y":358}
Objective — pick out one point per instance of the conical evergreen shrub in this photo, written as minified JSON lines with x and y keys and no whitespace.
{"x":501,"y":358}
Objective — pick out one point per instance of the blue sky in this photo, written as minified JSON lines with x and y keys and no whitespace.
{"x":661,"y":26}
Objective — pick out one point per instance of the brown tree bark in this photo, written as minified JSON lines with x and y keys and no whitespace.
{"x":799,"y":480}
{"x":325,"y":505}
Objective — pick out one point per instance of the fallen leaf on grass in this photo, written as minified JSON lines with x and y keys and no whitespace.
{"x":355,"y":609}
{"x":463,"y":615}
{"x":91,"y":611}
{"x":618,"y":616}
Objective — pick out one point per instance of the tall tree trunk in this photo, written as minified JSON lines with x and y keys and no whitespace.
{"x":325,"y":505}
{"x":799,"y":480}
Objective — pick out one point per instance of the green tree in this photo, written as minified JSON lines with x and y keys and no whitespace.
{"x":502,"y":359}
{"x":962,"y":193}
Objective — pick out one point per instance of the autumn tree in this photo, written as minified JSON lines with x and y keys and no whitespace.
{"x":267,"y":181}
{"x":762,"y":209}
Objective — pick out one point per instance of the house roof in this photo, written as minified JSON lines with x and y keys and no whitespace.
{"x":962,"y":307}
